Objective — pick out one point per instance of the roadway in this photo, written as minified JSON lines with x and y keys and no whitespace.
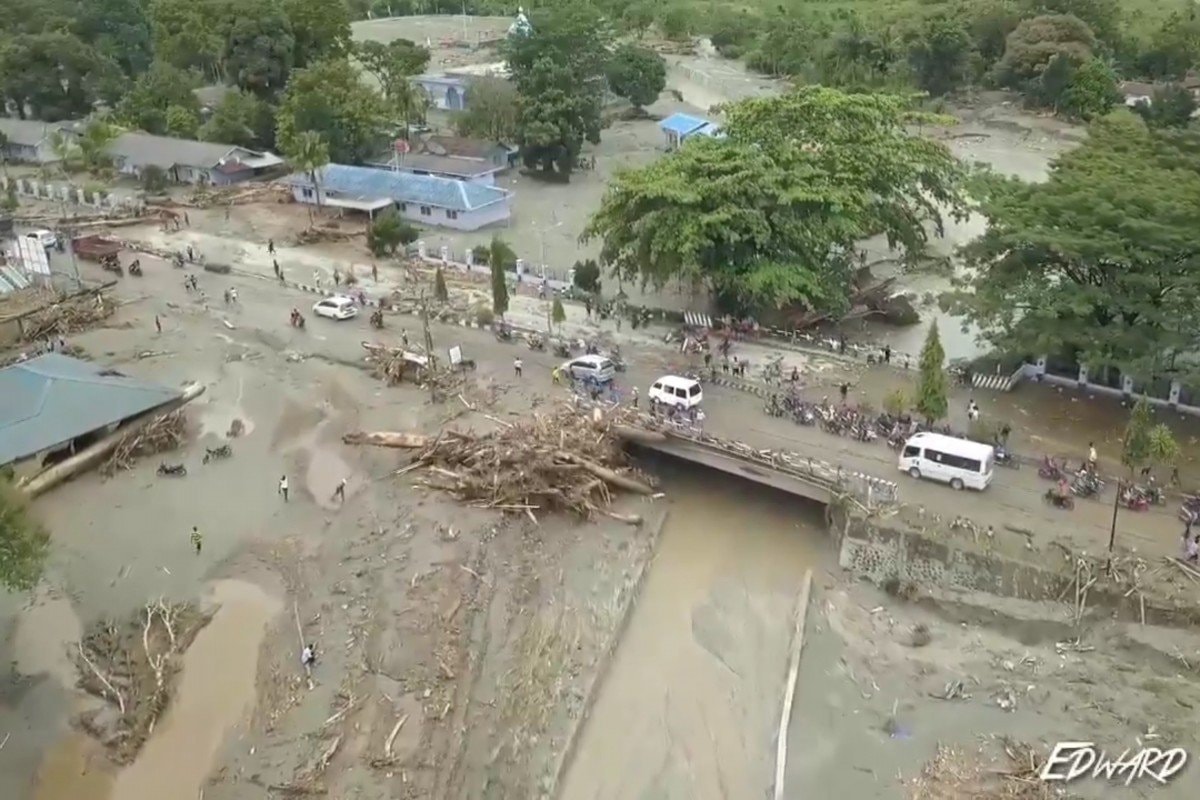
{"x":1014,"y":501}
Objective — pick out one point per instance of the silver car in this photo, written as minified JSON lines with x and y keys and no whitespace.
{"x":593,"y":367}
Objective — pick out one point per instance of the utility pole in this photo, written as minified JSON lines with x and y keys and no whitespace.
{"x":429,"y":356}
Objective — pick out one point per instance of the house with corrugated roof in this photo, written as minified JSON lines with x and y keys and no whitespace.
{"x":30,"y":140}
{"x":189,"y":161}
{"x":460,"y":169}
{"x":55,"y":406}
{"x":679,"y":127}
{"x":423,"y":199}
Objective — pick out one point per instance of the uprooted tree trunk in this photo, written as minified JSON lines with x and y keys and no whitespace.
{"x":560,"y":461}
{"x":131,"y":665}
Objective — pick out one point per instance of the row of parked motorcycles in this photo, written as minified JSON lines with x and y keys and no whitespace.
{"x":166,"y":470}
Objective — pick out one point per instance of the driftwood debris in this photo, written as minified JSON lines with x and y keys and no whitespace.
{"x":558,"y":461}
{"x":66,"y":317}
{"x":165,"y":432}
{"x":130,"y":664}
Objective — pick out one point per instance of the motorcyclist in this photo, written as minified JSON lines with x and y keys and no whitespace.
{"x":1064,"y":488}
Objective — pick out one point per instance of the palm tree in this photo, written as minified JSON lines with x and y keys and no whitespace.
{"x":94,"y":141}
{"x":308,"y":153}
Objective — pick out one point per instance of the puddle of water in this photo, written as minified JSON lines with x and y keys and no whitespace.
{"x":44,"y":636}
{"x":325,"y":470}
{"x":74,"y":769}
{"x":693,"y":693}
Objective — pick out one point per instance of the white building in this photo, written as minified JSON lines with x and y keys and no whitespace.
{"x":422,"y":199}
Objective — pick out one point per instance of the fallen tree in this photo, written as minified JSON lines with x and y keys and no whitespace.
{"x":131,"y":664}
{"x":558,"y":461}
{"x":66,"y":317}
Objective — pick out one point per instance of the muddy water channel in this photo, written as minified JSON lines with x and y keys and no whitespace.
{"x":690,"y":706}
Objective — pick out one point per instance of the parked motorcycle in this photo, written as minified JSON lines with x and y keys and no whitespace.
{"x":1189,"y":510}
{"x":377,"y":318}
{"x":1134,"y":500}
{"x":1087,"y":485}
{"x":172,"y":470}
{"x":535,"y":341}
{"x":503,"y":333}
{"x":111,"y":264}
{"x":1005,"y":458}
{"x":215,"y":453}
{"x":1065,"y":502}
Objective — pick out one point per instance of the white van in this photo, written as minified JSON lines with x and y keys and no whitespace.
{"x":958,"y":462}
{"x":672,"y":390}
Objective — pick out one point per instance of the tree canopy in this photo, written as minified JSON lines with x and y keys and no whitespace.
{"x":321,"y":29}
{"x":258,"y":52}
{"x":558,"y":69}
{"x":330,"y":98}
{"x":162,"y":88}
{"x":637,"y":73}
{"x":1101,"y":262}
{"x":770,"y":215}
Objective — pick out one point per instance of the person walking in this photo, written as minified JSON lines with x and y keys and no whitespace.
{"x":375,"y":273}
{"x":1092,"y":458}
{"x":275,"y":266}
{"x":887,"y":354}
{"x":340,"y":492}
{"x":186,"y":221}
{"x":197,"y":539}
{"x":633,"y":393}
{"x":283,"y":487}
{"x":587,"y":306}
{"x":517,"y":365}
{"x":271,"y":247}
{"x":308,"y":656}
{"x":844,"y":391}
{"x":972,"y":410}
{"x":157,"y":323}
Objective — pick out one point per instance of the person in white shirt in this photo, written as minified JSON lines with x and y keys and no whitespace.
{"x":283,"y":487}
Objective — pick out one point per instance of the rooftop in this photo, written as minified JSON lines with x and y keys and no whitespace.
{"x":29,"y":132}
{"x":441,"y":165}
{"x":52,"y":399}
{"x":683,"y":124}
{"x":460,"y":146}
{"x":368,"y":183}
{"x":145,"y":149}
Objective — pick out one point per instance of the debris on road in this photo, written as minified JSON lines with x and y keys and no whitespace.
{"x":66,"y":317}
{"x":166,"y":432}
{"x":555,"y":462}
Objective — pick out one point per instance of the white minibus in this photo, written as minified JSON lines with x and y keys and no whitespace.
{"x":958,"y":462}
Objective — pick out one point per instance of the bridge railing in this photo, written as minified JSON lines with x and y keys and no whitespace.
{"x":872,"y":492}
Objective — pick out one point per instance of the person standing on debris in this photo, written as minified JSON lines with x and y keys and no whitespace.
{"x":887,"y":354}
{"x":517,"y":364}
{"x":308,"y":656}
{"x":197,"y":539}
{"x":270,"y":247}
{"x":283,"y":487}
{"x":633,"y":394}
{"x":340,"y":492}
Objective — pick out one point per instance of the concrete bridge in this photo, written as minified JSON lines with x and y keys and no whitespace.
{"x":789,"y":472}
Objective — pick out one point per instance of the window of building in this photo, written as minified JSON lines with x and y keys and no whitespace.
{"x":426,"y":211}
{"x":451,"y":214}
{"x":402,"y":206}
{"x":308,"y":193}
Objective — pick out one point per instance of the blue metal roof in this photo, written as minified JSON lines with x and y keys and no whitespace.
{"x":366,"y":184}
{"x":52,"y":399}
{"x":683,"y":124}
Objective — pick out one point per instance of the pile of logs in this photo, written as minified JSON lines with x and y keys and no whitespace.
{"x":555,"y":462}
{"x":165,"y":432}
{"x":66,"y":317}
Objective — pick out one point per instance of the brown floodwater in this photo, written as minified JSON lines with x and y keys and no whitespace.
{"x":692,"y":699}
{"x":214,"y":695}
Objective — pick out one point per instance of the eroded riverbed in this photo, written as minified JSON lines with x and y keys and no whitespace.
{"x":691,"y":703}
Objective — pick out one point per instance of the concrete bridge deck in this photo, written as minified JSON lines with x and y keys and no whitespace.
{"x":789,"y":472}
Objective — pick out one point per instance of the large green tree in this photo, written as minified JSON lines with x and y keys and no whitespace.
{"x":331,"y":99}
{"x":558,"y":68}
{"x":240,"y":118}
{"x":1031,"y":46}
{"x":637,"y":73}
{"x":191,"y":34}
{"x":55,"y":75}
{"x":393,"y":65}
{"x":118,"y":29}
{"x":258,"y":53}
{"x":938,"y":51}
{"x":321,"y":29}
{"x":1101,"y":262}
{"x":154,"y":94}
{"x":932,"y":400}
{"x":491,"y":111}
{"x":770,"y":216}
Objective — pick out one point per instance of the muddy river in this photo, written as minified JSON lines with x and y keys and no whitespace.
{"x":690,"y":706}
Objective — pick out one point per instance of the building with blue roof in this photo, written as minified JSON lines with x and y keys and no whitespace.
{"x":679,"y":127}
{"x":423,"y":199}
{"x":54,"y":403}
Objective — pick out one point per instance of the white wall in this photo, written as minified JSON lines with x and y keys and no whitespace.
{"x":466,"y":220}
